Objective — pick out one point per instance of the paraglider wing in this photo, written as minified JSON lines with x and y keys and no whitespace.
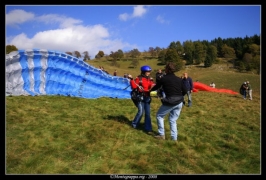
{"x":43,"y":72}
{"x":204,"y":87}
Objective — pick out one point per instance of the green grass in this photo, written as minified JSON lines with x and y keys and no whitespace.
{"x":219,"y":134}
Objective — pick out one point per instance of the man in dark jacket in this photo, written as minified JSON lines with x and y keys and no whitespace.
{"x":159,"y":75}
{"x":172,"y":102}
{"x":160,"y":92}
{"x":187,"y":81}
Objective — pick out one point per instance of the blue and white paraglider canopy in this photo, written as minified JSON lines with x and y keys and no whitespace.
{"x":43,"y":72}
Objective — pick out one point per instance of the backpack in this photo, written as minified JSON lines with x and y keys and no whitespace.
{"x":241,"y":90}
{"x":137,"y":96}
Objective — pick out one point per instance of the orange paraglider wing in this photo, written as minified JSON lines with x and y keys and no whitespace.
{"x":195,"y":90}
{"x":204,"y":87}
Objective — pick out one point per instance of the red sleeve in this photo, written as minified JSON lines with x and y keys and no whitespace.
{"x":151,"y":85}
{"x":134,"y":83}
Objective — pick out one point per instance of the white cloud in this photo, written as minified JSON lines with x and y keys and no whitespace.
{"x":160,"y":19}
{"x":16,"y":17}
{"x":71,"y":35}
{"x":56,"y":19}
{"x":138,"y":11}
{"x":22,"y":41}
{"x":123,"y":17}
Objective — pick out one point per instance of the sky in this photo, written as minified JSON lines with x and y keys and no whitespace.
{"x":107,"y":28}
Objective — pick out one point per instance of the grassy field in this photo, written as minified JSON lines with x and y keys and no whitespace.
{"x":219,"y":134}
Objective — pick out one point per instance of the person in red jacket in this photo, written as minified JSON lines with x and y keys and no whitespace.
{"x":143,"y":84}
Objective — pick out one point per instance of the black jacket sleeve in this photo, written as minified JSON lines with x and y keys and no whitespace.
{"x":157,"y":86}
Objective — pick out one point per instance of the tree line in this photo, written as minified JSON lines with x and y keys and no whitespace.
{"x":244,"y":53}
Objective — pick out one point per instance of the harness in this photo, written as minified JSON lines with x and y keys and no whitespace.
{"x":136,"y":95}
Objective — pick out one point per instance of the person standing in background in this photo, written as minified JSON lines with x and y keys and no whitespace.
{"x":244,"y":88}
{"x":249,"y":90}
{"x":212,"y":85}
{"x":187,"y":81}
{"x":159,"y":75}
{"x":115,"y":73}
{"x":160,"y":92}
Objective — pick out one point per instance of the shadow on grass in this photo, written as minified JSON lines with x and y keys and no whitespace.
{"x":124,"y":120}
{"x":237,"y":96}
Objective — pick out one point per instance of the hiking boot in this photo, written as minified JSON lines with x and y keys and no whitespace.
{"x":150,"y":133}
{"x":159,"y":137}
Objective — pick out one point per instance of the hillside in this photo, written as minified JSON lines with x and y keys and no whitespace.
{"x":222,"y":73}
